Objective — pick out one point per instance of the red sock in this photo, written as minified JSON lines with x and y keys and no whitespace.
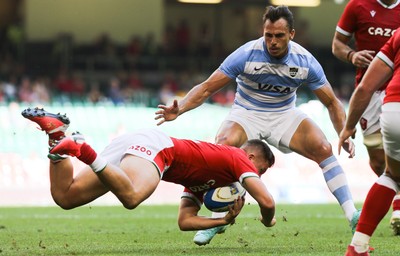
{"x":88,"y":155}
{"x":376,"y":205}
{"x":396,"y":203}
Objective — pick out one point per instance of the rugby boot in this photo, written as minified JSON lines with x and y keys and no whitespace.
{"x":54,"y":125}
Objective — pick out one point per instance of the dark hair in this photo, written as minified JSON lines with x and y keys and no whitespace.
{"x":275,"y":13}
{"x":264,"y":149}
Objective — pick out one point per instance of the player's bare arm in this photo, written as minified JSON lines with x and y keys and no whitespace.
{"x":377,"y":74}
{"x":345,"y":53}
{"x":337,"y":113}
{"x":194,"y":98}
{"x":257,"y":189}
{"x":189,"y":220}
{"x":340,"y":47}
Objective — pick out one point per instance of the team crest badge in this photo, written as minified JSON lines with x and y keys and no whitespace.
{"x":293,"y":71}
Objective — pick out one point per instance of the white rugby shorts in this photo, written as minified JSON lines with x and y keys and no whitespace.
{"x":145,"y":143}
{"x":276,"y":128}
{"x":369,"y":120}
{"x":390,"y":128}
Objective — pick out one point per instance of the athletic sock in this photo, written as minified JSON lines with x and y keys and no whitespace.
{"x":89,"y":157}
{"x":360,"y":242}
{"x":396,"y":203}
{"x":377,"y":204}
{"x":337,"y":184}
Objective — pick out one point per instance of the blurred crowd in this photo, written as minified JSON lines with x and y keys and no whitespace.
{"x":141,"y":72}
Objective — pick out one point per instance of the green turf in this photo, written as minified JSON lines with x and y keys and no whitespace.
{"x":153,"y":230}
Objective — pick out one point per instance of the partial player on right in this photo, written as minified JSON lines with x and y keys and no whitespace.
{"x":372,"y":23}
{"x":385,"y":67}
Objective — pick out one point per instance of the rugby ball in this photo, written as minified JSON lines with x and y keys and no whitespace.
{"x":219,"y":199}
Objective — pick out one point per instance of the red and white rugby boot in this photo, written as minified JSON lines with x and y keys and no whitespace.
{"x":69,"y":145}
{"x":54,"y":125}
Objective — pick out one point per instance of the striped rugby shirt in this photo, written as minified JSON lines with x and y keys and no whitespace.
{"x":267,"y":84}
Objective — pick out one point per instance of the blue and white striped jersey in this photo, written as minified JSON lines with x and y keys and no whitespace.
{"x":267,"y":84}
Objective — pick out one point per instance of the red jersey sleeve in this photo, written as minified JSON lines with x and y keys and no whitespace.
{"x":347,"y":24}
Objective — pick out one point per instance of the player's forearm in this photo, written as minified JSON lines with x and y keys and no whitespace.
{"x":341,"y":50}
{"x":201,"y":223}
{"x":267,"y":215}
{"x":194,"y":98}
{"x":337,"y":115}
{"x":358,"y":103}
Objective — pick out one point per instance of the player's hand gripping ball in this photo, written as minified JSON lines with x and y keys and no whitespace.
{"x":219,"y":199}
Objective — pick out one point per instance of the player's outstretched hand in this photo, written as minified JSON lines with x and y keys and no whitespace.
{"x":167,"y":113}
{"x":234,"y":210}
{"x":345,"y":142}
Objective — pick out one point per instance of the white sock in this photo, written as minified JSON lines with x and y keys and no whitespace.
{"x":98,"y":164}
{"x":360,"y":242}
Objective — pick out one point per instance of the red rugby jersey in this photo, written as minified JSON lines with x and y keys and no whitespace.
{"x":199,"y":166}
{"x":390,"y":53}
{"x":372,"y":24}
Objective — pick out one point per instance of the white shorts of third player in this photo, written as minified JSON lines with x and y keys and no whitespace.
{"x":369,"y":121}
{"x":277,"y":128}
{"x":390,"y":126}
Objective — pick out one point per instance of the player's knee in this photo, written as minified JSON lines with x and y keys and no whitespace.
{"x":64,"y":203}
{"x":130,"y":204}
{"x":323,"y":149}
{"x":377,"y":166}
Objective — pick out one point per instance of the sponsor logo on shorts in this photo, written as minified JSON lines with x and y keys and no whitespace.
{"x":141,"y":149}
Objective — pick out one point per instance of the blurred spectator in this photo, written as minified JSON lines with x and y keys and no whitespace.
{"x":204,"y":40}
{"x":114,"y":91}
{"x":64,"y":83}
{"x":167,"y":46}
{"x":169,"y":88}
{"x":40,"y":92}
{"x":134,"y":48}
{"x":183,"y":38}
{"x":9,"y":89}
{"x":79,"y":86}
{"x":134,"y":81}
{"x":25,"y":94}
{"x":94,"y":94}
{"x":149,"y":45}
{"x":102,"y":44}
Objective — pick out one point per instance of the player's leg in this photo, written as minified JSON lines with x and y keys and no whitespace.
{"x":380,"y":196}
{"x":375,"y":207}
{"x":132,"y":182}
{"x":309,"y":141}
{"x":229,"y":133}
{"x":374,"y":145}
{"x":69,"y":191}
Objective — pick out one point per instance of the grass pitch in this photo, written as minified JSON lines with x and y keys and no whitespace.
{"x":153,"y":230}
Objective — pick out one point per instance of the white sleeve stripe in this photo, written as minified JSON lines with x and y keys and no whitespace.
{"x":342,"y":31}
{"x":385,"y":59}
{"x":246,"y":175}
{"x":191,"y":196}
